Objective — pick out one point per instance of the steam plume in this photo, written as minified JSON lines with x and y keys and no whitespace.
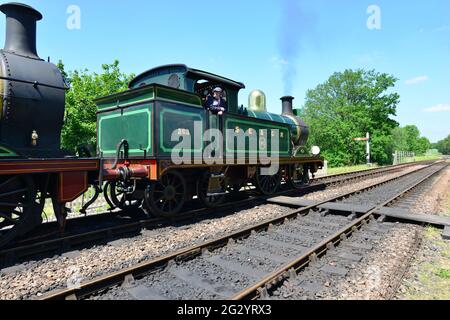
{"x":294,"y":23}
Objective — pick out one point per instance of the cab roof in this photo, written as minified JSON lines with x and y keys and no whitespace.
{"x":189,"y":72}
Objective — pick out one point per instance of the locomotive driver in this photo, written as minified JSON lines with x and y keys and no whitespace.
{"x":215,"y":103}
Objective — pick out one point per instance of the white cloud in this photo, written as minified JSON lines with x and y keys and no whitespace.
{"x":417,"y":80}
{"x":438,"y":108}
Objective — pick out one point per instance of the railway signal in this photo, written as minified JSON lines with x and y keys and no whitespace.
{"x":367,"y":140}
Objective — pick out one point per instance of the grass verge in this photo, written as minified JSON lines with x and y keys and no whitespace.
{"x":432,"y":268}
{"x":340,"y":170}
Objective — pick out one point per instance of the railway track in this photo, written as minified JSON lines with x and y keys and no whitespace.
{"x":100,"y":229}
{"x":240,"y":265}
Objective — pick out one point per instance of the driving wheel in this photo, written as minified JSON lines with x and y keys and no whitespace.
{"x":166,"y":197}
{"x":17,"y":207}
{"x":266,"y":184}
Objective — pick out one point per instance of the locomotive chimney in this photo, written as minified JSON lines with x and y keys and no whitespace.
{"x":288,"y":108}
{"x":21,"y":29}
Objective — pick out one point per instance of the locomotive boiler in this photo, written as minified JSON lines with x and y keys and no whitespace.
{"x":32,"y":90}
{"x":32,"y":100}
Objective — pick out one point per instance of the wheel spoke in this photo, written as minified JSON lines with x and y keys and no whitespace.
{"x":13,"y":205}
{"x":264,"y":184}
{"x":160,"y":186}
{"x":13,"y":193}
{"x":177,"y":203}
{"x":178,"y":185}
{"x":8,"y":182}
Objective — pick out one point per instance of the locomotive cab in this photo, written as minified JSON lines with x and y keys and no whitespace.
{"x":201,"y":83}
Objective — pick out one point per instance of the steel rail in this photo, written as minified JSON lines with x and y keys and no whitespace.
{"x":260,"y":288}
{"x":104,"y":282}
{"x":380,"y":169}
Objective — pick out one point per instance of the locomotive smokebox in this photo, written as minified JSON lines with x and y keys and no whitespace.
{"x":21,"y":29}
{"x":32,"y":91}
{"x":287,"y":103}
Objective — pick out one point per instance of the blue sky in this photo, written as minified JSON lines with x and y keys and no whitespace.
{"x":252,"y":42}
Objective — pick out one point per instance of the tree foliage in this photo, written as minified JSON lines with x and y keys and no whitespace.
{"x":348,"y":105}
{"x":409,"y":138}
{"x":444,"y":146}
{"x":81,"y":119}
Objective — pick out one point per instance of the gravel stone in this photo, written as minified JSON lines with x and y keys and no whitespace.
{"x":39,"y":277}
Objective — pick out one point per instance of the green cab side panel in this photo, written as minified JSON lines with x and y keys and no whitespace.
{"x":263,"y":131}
{"x":133,"y":124}
{"x":178,"y":119}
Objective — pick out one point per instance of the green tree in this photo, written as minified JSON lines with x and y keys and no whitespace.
{"x":409,"y":138}
{"x":399,"y":138}
{"x":348,"y":105}
{"x":81,"y":119}
{"x":423,"y":145}
{"x":444,"y":146}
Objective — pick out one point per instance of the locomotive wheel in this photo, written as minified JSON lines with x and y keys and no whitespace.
{"x":297,"y":178}
{"x":116,"y":193}
{"x":166,"y":197}
{"x":267,"y":185}
{"x":202,"y":192}
{"x":17,"y":207}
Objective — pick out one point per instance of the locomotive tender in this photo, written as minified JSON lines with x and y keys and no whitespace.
{"x":134,"y":164}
